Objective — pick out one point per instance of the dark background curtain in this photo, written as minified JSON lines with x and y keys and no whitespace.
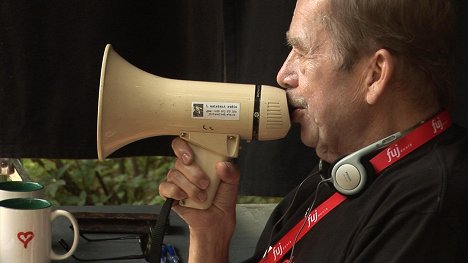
{"x":51,"y":53}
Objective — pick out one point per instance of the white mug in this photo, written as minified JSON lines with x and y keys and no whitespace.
{"x":17,"y":189}
{"x":25,"y":231}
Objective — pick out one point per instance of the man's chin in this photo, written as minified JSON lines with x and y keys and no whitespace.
{"x":307,"y":139}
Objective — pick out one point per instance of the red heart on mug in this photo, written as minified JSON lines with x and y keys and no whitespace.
{"x":25,"y":237}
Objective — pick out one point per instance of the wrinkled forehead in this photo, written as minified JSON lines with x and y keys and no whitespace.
{"x":308,"y":21}
{"x":310,"y":10}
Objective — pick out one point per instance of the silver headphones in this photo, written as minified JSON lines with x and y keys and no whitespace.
{"x":349,"y":176}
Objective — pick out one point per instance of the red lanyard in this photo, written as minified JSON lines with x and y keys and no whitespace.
{"x":411,"y":141}
{"x":393,"y":153}
{"x":287,"y":241}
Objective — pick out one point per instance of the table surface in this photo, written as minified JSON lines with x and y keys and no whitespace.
{"x":250,"y":221}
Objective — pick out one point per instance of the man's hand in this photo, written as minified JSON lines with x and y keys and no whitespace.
{"x":211,"y":229}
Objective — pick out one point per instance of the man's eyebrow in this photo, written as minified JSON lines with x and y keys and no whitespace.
{"x":296,"y":42}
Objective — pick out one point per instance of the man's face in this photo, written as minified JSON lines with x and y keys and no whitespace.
{"x":328,"y":102}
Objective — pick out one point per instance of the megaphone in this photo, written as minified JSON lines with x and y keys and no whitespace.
{"x":212,"y":117}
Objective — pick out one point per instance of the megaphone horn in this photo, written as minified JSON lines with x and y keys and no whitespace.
{"x":211,"y":116}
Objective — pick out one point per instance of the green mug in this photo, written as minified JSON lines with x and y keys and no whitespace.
{"x":20,"y":189}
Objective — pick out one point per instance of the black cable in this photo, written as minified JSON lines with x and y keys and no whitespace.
{"x":286,"y":212}
{"x":157,"y":233}
{"x":309,"y":210}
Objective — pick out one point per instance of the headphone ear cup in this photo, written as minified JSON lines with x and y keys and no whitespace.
{"x":348,"y":175}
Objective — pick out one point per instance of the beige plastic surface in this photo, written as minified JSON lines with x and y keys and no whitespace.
{"x":134,"y":105}
{"x":209,"y":149}
{"x":206,"y":160}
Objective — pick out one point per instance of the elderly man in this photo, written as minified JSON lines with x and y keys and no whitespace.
{"x":358,"y":72}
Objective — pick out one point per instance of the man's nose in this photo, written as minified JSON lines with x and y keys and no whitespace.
{"x":287,"y":76}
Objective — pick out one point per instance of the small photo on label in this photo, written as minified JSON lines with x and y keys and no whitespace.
{"x":197,"y":111}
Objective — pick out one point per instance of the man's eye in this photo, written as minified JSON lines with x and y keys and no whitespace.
{"x":298,"y":53}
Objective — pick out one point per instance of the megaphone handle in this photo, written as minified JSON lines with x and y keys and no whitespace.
{"x":207,"y":160}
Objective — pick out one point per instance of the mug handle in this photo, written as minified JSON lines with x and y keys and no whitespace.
{"x":76,"y":234}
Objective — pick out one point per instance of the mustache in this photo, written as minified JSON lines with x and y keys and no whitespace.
{"x":294,"y":103}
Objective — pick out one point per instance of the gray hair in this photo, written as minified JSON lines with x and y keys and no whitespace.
{"x":419,"y":33}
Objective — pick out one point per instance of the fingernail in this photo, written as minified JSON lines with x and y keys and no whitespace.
{"x":204,"y":184}
{"x":186,"y":158}
{"x":202,"y":196}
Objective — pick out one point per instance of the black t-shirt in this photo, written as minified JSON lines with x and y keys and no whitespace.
{"x":414,"y":211}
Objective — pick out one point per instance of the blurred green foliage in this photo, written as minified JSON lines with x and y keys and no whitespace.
{"x":91,"y":182}
{"x":119,"y":181}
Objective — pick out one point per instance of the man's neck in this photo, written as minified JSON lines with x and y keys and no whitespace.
{"x":381,"y":126}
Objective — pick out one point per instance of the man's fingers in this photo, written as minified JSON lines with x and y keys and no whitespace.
{"x":182,"y":150}
{"x":183,"y":183}
{"x":170,"y":190}
{"x":197,"y":176}
{"x":228,"y":172}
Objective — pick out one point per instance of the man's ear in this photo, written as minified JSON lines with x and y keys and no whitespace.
{"x":381,"y":71}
